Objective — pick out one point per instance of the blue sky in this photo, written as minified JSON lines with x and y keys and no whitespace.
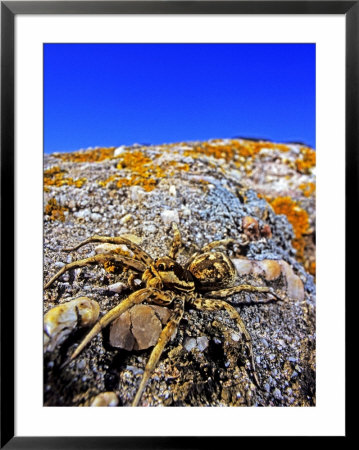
{"x":119,"y":94}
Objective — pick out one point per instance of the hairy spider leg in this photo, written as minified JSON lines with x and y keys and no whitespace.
{"x":244,"y":287}
{"x":166,"y":334}
{"x":98,"y":259}
{"x":177,"y":242}
{"x":139,"y":253}
{"x":131,"y":281}
{"x":215,"y":305}
{"x":214,"y":244}
{"x":135,"y":298}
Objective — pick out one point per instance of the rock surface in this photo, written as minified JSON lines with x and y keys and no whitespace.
{"x":214,"y":190}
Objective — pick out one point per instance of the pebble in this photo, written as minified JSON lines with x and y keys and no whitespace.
{"x":96,"y":217}
{"x":250,"y":227}
{"x":189,"y":344}
{"x":277,"y":394}
{"x":271,"y":269}
{"x":202,"y":343}
{"x":295,"y":288}
{"x":117,"y":287}
{"x":61,"y":320}
{"x":81,"y":364}
{"x":59,"y":264}
{"x":137,"y":193}
{"x":107,"y":248}
{"x":138,"y":328}
{"x":105,"y":399}
{"x":236,"y":337}
{"x":172,"y":191}
{"x":126,"y":218}
{"x":243,"y":266}
{"x":150,"y":228}
{"x":119,"y":150}
{"x":82,"y":213}
{"x":135,"y":370}
{"x":168,"y":216}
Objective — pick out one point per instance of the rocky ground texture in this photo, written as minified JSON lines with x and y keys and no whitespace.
{"x":260,"y":194}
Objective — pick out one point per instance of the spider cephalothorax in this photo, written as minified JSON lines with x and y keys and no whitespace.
{"x":173,"y":275}
{"x":206,"y":278}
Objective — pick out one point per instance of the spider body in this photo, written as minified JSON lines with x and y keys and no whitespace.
{"x":212,"y":271}
{"x":173,"y":275}
{"x":202,"y":282}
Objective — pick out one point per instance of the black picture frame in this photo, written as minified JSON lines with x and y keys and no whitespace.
{"x":9,"y":10}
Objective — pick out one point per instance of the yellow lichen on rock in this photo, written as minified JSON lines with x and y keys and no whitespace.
{"x":307,"y":160}
{"x":54,"y":210}
{"x":307,"y":188}
{"x":95,"y":155}
{"x":56,"y":177}
{"x":298,"y":218}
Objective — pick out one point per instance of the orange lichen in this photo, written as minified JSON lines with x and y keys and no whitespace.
{"x":110,"y":266}
{"x":298,"y":218}
{"x":56,"y":177}
{"x":312,"y":268}
{"x":95,"y":155}
{"x":175,"y":165}
{"x":104,"y":183}
{"x":306,"y":161}
{"x":307,"y":188}
{"x":233,"y":149}
{"x":54,"y":210}
{"x":142,"y":171}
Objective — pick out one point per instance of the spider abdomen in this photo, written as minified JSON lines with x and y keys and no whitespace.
{"x":212,"y":270}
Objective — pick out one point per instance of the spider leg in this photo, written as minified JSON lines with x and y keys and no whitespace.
{"x":98,"y":259}
{"x":133,"y":299}
{"x":131,"y":281}
{"x":177,"y":243}
{"x":244,"y":287}
{"x":165,"y":336}
{"x":214,"y":244}
{"x":214,"y":305}
{"x":139,"y":253}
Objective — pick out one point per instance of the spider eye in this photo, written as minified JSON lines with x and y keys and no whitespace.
{"x":172,"y":267}
{"x":161,"y":267}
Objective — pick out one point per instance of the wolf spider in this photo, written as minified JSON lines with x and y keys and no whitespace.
{"x":206,"y":275}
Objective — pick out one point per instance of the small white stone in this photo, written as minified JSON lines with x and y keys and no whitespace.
{"x":150,"y":228}
{"x":202,"y":343}
{"x":59,"y":264}
{"x":119,"y":150}
{"x":126,"y":218}
{"x":96,"y":217}
{"x":168,"y":216}
{"x":172,"y":191}
{"x":82,"y":213}
{"x":243,"y":266}
{"x":137,"y":193}
{"x":105,"y":399}
{"x":107,"y":248}
{"x":117,"y":287}
{"x":189,"y":344}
